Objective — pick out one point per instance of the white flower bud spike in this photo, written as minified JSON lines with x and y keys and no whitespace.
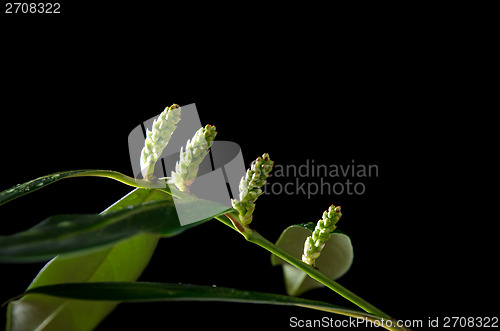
{"x":315,"y":243}
{"x":157,"y":139}
{"x":250,"y":188}
{"x":186,"y":169}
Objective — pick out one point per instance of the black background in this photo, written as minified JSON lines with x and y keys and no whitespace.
{"x":414,"y":102}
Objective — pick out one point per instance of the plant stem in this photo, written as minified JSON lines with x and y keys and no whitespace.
{"x":119,"y":177}
{"x":254,"y":237}
{"x":317,"y":275}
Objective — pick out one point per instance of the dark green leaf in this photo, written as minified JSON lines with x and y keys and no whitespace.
{"x":62,"y":234}
{"x":334,"y":261}
{"x":142,"y":291}
{"x":36,"y":184}
{"x":124,"y":261}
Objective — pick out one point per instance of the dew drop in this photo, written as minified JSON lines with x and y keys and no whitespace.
{"x":53,"y":177}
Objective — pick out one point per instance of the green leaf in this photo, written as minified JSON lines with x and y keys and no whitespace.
{"x":144,"y":291}
{"x":36,"y":184}
{"x":63,"y":234}
{"x":334,"y":261}
{"x":124,"y":261}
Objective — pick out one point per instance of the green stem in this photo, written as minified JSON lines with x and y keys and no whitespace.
{"x":119,"y":177}
{"x":231,"y":219}
{"x":254,"y":237}
{"x":158,"y":183}
{"x":317,"y":275}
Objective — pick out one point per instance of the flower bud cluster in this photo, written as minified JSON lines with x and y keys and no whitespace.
{"x":250,"y":187}
{"x":158,"y":138}
{"x":186,"y":169}
{"x":314,"y":243}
